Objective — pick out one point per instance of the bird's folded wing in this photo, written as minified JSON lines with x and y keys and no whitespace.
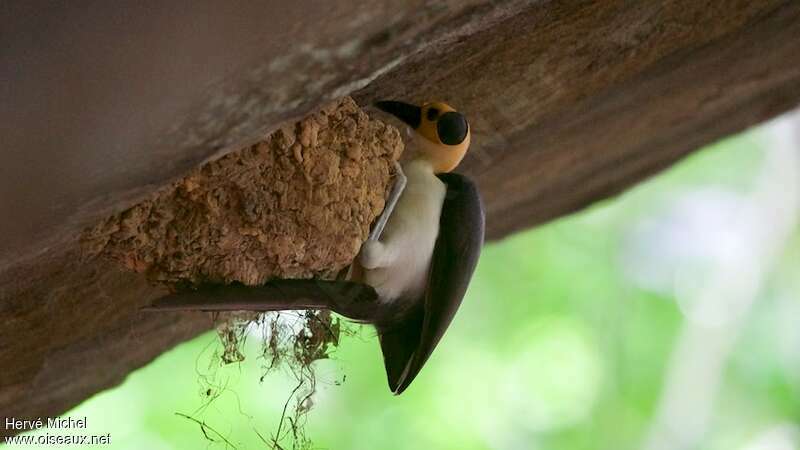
{"x":455,"y":257}
{"x":356,"y":301}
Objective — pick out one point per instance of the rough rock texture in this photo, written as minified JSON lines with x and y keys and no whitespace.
{"x":570,"y":102}
{"x":297,"y":204}
{"x":75,"y":326}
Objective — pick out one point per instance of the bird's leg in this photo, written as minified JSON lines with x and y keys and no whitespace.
{"x":374,"y":253}
{"x":391,"y":202}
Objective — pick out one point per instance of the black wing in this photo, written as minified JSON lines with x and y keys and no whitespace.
{"x":407,"y":347}
{"x":353,"y":300}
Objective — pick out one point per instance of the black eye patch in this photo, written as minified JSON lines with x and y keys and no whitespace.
{"x":452,"y":128}
{"x":432,"y":114}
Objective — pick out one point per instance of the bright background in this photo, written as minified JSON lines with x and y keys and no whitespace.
{"x":666,"y":318}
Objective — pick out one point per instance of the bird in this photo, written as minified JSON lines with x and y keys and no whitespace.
{"x":412,"y":272}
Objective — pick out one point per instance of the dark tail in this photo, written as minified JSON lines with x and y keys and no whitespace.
{"x":355,"y":301}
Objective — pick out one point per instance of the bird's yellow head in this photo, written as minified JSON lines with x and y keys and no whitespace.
{"x":443,"y":132}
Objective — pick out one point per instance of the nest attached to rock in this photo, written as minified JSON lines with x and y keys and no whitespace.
{"x":297,"y":204}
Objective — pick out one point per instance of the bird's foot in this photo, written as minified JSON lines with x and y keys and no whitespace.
{"x":372,"y":253}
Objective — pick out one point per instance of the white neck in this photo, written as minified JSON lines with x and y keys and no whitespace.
{"x":419,"y":164}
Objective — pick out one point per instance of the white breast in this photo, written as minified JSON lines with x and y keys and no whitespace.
{"x":410,"y":236}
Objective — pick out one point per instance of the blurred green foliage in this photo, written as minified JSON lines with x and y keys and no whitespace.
{"x":553,"y":348}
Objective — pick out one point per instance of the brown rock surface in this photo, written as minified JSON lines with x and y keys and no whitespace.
{"x":296,"y":204}
{"x":570,"y":102}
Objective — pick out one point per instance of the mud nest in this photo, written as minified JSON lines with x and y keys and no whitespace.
{"x":297,"y":204}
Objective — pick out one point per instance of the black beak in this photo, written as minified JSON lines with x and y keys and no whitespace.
{"x":410,"y":114}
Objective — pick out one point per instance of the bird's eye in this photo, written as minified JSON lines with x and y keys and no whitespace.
{"x":432,"y":114}
{"x":452,"y":128}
